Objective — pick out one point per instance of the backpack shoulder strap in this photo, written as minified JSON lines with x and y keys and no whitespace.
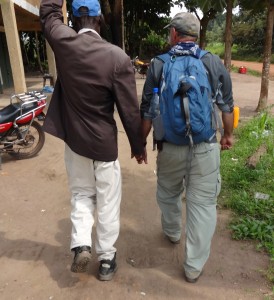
{"x":216,"y":119}
{"x":202,"y":53}
{"x":164,"y":57}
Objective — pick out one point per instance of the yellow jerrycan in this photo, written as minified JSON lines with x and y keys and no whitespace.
{"x":236,"y":114}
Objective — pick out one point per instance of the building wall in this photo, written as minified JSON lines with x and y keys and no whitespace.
{"x":15,"y":16}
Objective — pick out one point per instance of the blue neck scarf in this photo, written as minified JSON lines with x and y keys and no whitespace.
{"x":182,"y":48}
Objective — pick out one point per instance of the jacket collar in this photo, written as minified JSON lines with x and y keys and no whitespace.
{"x":84,"y":30}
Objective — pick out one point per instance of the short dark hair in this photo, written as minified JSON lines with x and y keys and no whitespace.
{"x":86,"y":21}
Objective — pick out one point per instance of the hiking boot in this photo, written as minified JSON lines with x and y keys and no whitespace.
{"x":173,"y":240}
{"x":82,"y":257}
{"x":193,"y":280}
{"x":107,"y":269}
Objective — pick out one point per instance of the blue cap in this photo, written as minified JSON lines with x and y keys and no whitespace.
{"x":93,"y":6}
{"x":155,"y":90}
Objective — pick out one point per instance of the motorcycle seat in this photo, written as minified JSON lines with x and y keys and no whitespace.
{"x":12,"y":111}
{"x":8,"y":113}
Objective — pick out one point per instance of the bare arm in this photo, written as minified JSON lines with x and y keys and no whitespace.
{"x":227,"y":139}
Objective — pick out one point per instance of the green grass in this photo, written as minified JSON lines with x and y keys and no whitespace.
{"x":219,"y":49}
{"x":254,"y":218}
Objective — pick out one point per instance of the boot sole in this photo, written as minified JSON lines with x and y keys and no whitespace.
{"x":80,"y":265}
{"x":193,"y":280}
{"x":107,"y":277}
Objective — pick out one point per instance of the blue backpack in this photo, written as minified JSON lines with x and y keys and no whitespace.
{"x":186,"y":103}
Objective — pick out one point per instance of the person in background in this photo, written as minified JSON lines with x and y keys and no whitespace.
{"x":94,"y":76}
{"x":195,"y":169}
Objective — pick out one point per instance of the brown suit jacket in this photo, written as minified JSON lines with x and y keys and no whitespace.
{"x":94,"y":76}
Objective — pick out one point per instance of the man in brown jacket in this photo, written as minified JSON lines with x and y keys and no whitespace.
{"x":94,"y":76}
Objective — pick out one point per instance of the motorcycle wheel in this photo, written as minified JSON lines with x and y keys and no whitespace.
{"x":32,"y":144}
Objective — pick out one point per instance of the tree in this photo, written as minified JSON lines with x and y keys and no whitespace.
{"x":216,"y":29}
{"x":33,"y":46}
{"x":262,"y":104}
{"x":268,"y":7}
{"x":228,"y":34}
{"x":248,"y":32}
{"x":113,"y":13}
{"x":141,"y":17}
{"x":112,"y":27}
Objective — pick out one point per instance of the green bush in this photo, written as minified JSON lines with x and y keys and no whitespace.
{"x":153,"y":45}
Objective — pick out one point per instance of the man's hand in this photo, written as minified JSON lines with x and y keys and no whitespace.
{"x":141,"y":157}
{"x":227,"y":139}
{"x":226,"y":142}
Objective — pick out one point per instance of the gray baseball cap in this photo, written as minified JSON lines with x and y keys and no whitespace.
{"x":185,"y":23}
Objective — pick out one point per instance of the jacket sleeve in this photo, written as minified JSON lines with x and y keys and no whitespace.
{"x":219,"y":76}
{"x":51,"y":18}
{"x":125,"y":94}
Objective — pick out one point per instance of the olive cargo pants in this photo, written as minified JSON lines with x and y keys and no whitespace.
{"x":197,"y":171}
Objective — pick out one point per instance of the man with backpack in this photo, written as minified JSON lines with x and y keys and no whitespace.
{"x":191,"y":83}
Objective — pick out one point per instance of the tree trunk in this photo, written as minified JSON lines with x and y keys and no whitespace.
{"x":262,"y":104}
{"x":117,"y":24}
{"x":228,"y":35}
{"x":106,"y":10}
{"x":113,"y":14}
{"x":204,"y":23}
{"x":105,"y":30}
{"x":207,"y":16}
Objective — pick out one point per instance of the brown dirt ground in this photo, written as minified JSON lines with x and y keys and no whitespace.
{"x":35,"y":232}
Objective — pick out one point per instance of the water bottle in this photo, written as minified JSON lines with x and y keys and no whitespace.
{"x":157,"y":118}
{"x":154,"y":109}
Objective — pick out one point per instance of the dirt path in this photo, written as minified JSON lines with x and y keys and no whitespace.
{"x":255,"y":66}
{"x":35,"y":235}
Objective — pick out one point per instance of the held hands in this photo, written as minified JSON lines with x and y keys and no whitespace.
{"x":141,"y":157}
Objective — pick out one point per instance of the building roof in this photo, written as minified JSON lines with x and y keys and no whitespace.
{"x":27,"y":15}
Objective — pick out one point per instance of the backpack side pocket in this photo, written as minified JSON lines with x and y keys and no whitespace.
{"x":158,"y":126}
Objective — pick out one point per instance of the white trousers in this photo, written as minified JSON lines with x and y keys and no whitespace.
{"x":95,"y":190}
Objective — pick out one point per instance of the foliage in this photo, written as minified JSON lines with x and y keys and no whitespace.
{"x":254,"y":217}
{"x":255,"y":5}
{"x":33,"y":51}
{"x":249,"y":31}
{"x":141,"y":17}
{"x":153,"y":45}
{"x":203,"y":5}
{"x":218,"y":49}
{"x":144,"y":33}
{"x":215,"y":29}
